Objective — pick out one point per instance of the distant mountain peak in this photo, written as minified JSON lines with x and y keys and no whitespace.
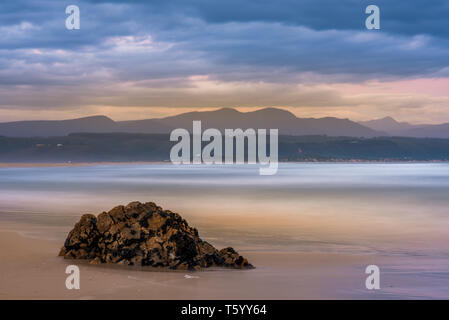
{"x":273,"y":112}
{"x":387,"y":124}
{"x":98,"y":116}
{"x":227,"y":110}
{"x":95,"y":117}
{"x":387,"y":118}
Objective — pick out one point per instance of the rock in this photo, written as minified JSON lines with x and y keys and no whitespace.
{"x":144,"y":234}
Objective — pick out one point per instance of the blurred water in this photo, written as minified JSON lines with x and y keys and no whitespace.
{"x":395,"y":213}
{"x":391,"y":208}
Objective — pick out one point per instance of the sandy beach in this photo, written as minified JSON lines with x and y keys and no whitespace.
{"x":31,"y":270}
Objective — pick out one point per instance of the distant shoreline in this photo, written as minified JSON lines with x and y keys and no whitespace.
{"x":126,"y":148}
{"x":73,"y":164}
{"x":86,"y":164}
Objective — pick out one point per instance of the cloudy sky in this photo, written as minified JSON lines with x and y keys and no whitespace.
{"x":140,"y":59}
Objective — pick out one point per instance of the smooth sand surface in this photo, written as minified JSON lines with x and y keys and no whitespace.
{"x":31,"y":269}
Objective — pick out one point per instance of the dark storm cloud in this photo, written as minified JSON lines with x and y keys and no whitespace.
{"x":162,"y":43}
{"x":406,"y":17}
{"x":263,"y":33}
{"x":105,"y":18}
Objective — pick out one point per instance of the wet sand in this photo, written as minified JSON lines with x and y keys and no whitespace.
{"x":30,"y":269}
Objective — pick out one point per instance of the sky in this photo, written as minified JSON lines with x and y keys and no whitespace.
{"x":142,"y":59}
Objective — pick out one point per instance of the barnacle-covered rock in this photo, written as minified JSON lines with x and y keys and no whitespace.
{"x":146,"y":235}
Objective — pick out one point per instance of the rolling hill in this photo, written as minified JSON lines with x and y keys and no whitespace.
{"x":404,"y":129}
{"x":270,"y":118}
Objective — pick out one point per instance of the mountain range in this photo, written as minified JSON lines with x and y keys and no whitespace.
{"x":227,"y":118}
{"x":405,"y":129}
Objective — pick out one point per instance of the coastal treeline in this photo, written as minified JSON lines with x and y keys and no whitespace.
{"x":93,"y":147}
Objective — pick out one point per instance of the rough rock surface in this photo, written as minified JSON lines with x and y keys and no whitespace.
{"x":145,"y":235}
